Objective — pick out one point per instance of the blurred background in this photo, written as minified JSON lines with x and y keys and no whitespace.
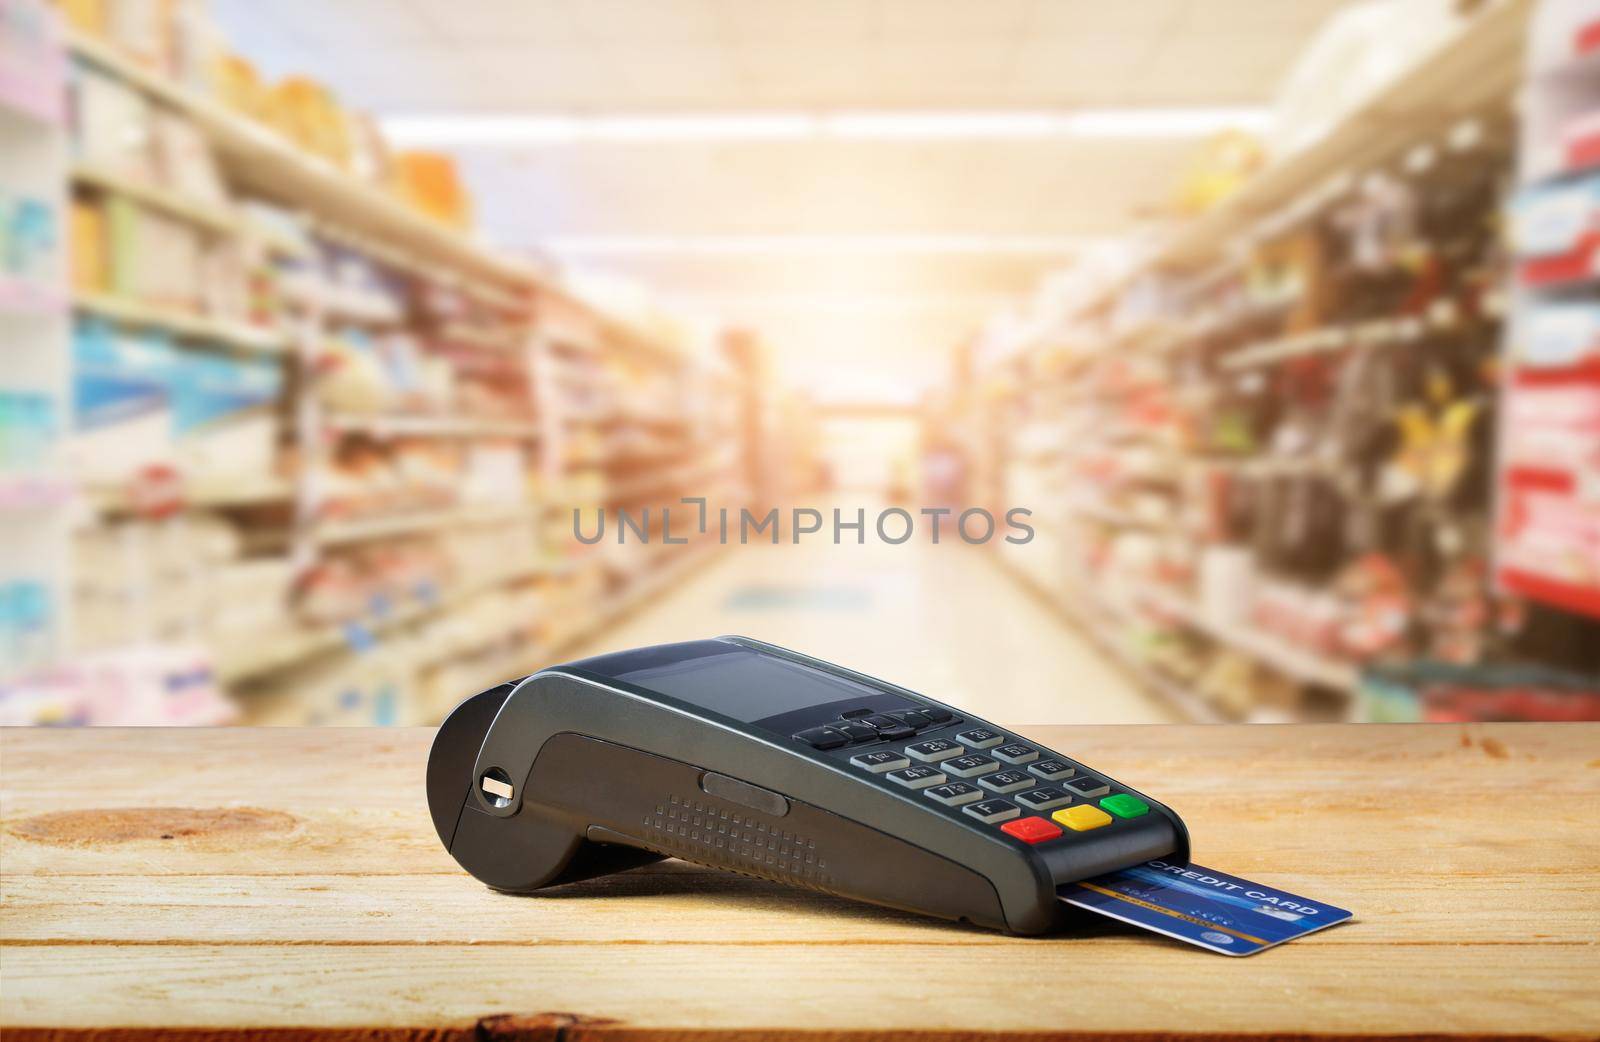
{"x":1176,"y":360}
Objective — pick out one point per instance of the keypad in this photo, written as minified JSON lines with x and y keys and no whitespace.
{"x":934,"y":750}
{"x":858,"y":732}
{"x":992,"y":812}
{"x":914,"y":718}
{"x":1031,"y":830}
{"x":980,"y":738}
{"x":1053,"y":770}
{"x":968,"y":766}
{"x":1087,"y":786}
{"x":1081,"y":818}
{"x":1007,"y":781}
{"x":971,"y":770}
{"x":880,"y":762}
{"x":1125,"y":805}
{"x":917,"y":777}
{"x":889,"y":727}
{"x":954,"y":794}
{"x":1016,"y":753}
{"x":823,"y":737}
{"x":1043,"y":798}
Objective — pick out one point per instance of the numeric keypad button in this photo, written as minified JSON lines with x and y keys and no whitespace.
{"x":969,"y":766}
{"x":1007,"y":781}
{"x":1043,"y":798}
{"x":991,"y":812}
{"x":880,"y":762}
{"x":917,"y":777}
{"x":1087,"y":786}
{"x":1053,"y":770}
{"x":934,"y":750}
{"x":955,"y":794}
{"x":1016,"y":753}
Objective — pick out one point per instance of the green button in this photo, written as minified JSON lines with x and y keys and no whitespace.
{"x":1124,"y":805}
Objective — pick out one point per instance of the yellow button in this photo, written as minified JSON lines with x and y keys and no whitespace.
{"x":1081,"y":818}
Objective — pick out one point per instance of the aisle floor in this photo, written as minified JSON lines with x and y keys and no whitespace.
{"x":944,"y":620}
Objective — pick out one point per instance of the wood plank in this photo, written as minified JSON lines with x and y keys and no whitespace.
{"x":303,"y":888}
{"x":1147,"y":986}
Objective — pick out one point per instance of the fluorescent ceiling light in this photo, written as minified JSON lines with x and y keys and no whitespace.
{"x":930,"y":125}
{"x":726,"y":304}
{"x":446,"y":131}
{"x":550,"y":129}
{"x":1165,"y":123}
{"x":811,"y":245}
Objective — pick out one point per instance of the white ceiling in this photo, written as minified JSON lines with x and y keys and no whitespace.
{"x":878,"y":312}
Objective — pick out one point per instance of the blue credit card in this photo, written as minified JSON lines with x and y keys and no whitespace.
{"x":1202,"y":906}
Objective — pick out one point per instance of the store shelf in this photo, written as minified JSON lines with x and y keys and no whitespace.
{"x":274,"y":652}
{"x":396,"y":426}
{"x":1120,"y":518}
{"x":236,"y":335}
{"x":1476,"y":65}
{"x":259,"y":158}
{"x":1297,"y":663}
{"x":202,"y":494}
{"x":336,"y":533}
{"x":1098,"y":626}
{"x":342,"y":305}
{"x":217,"y":218}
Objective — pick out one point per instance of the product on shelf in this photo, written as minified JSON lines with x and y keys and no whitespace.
{"x":29,"y":429}
{"x":156,"y":684}
{"x":30,"y":245}
{"x":1548,"y":526}
{"x":141,"y":402}
{"x":1265,"y":463}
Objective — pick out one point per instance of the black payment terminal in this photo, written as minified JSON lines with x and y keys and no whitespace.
{"x":743,"y":756}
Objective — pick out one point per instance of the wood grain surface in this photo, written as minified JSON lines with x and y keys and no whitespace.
{"x":280,"y":883}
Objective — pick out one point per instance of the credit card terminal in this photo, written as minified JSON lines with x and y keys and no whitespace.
{"x":740,"y":755}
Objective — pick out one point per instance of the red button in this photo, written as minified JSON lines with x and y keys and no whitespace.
{"x":1031,"y":830}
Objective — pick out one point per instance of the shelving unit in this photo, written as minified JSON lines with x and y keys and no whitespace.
{"x":215,"y":332}
{"x":1548,"y":485}
{"x":1107,"y":422}
{"x":329,"y":583}
{"x":35,"y":502}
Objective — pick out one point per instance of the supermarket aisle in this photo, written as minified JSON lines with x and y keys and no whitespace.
{"x":941,"y":619}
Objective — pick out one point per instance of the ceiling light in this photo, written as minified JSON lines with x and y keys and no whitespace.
{"x":699,"y":128}
{"x":887,"y":125}
{"x":1183,"y":122}
{"x":812,"y":245}
{"x":448,"y":131}
{"x":514,"y":130}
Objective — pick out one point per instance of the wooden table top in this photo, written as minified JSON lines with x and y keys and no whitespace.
{"x":234,"y":881}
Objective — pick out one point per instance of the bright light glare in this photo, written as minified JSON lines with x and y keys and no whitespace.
{"x":1165,"y":123}
{"x":699,"y":128}
{"x":455,"y":131}
{"x":925,"y":125}
{"x":442,"y":131}
{"x":806,"y":245}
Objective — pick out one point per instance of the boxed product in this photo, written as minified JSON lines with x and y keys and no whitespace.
{"x":225,"y":419}
{"x":155,"y":259}
{"x":1556,"y":333}
{"x":111,"y":126}
{"x":122,"y":401}
{"x":91,"y":263}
